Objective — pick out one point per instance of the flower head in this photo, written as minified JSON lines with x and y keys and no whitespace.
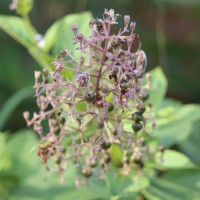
{"x":95,"y":103}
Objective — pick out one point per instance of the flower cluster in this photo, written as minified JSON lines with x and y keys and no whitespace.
{"x":93,"y":106}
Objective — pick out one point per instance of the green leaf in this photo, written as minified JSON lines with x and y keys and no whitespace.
{"x":6,"y":162}
{"x":23,"y":32}
{"x":22,"y":147}
{"x":125,"y":187}
{"x":116,"y":155}
{"x":60,"y":36}
{"x":49,"y":190}
{"x":170,"y":103}
{"x":27,"y":178}
{"x":190,"y":146}
{"x":159,"y":87}
{"x":169,"y":135}
{"x":172,"y":160}
{"x":174,"y":127}
{"x":60,"y":33}
{"x":181,"y":184}
{"x":18,"y":29}
{"x":137,"y":184}
{"x":7,"y":183}
{"x":120,"y":186}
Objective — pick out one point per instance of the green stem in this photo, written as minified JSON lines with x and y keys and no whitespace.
{"x":102,"y":60}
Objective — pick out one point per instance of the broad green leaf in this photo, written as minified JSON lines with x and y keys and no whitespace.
{"x":18,"y":29}
{"x":177,"y":125}
{"x":181,"y":184}
{"x":120,"y":186}
{"x":6,"y":162}
{"x":23,"y":32}
{"x":125,"y":187}
{"x":170,"y":103}
{"x":27,"y":180}
{"x":7,"y":182}
{"x":158,"y":87}
{"x":189,"y":113}
{"x":109,"y":98}
{"x":138,"y":184}
{"x":174,"y":160}
{"x":116,"y":155}
{"x":22,"y":147}
{"x":169,"y":135}
{"x":60,"y":36}
{"x":190,"y":146}
{"x":60,"y":33}
{"x":52,"y":189}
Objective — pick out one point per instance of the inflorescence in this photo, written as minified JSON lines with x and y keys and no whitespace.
{"x":93,"y":105}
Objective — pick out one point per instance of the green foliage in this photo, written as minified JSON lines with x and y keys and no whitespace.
{"x":23,"y":32}
{"x":172,"y":160}
{"x":17,"y":28}
{"x":22,"y":176}
{"x":190,"y":146}
{"x":60,"y":33}
{"x":175,"y":124}
{"x":179,"y":184}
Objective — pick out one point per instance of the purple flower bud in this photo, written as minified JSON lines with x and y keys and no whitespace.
{"x":132,"y":26}
{"x":79,"y":36}
{"x":75,"y":28}
{"x":126,"y":19}
{"x":129,"y":43}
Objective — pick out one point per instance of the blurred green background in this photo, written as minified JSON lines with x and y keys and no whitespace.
{"x":169,"y":31}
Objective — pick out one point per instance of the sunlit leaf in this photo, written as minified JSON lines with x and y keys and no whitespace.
{"x":6,"y":162}
{"x":172,"y":160}
{"x":18,"y":29}
{"x":60,"y":34}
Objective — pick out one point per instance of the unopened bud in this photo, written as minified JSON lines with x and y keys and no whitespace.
{"x":87,"y":172}
{"x":129,"y":42}
{"x":45,"y":72}
{"x":75,"y":28}
{"x":126,"y":19}
{"x":132,"y":26}
{"x":37,"y":74}
{"x":79,"y":36}
{"x":26,"y":115}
